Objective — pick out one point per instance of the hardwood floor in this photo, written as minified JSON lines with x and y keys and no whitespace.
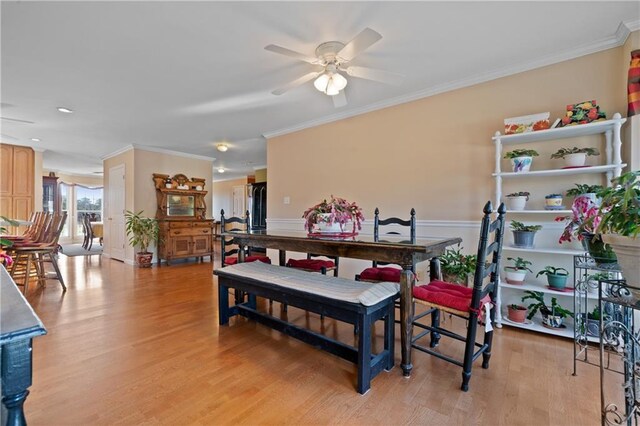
{"x":133,"y":346}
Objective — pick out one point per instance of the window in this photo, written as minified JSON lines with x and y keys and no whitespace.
{"x":77,"y":200}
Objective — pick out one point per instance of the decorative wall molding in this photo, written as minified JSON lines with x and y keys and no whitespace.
{"x":615,"y":40}
{"x":158,"y":150}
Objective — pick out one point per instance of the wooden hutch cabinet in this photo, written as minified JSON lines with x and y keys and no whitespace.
{"x":184,"y":231}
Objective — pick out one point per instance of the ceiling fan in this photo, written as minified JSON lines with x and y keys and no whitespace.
{"x":334,"y":58}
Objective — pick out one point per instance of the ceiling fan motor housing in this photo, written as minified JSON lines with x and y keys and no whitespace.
{"x":328,"y":52}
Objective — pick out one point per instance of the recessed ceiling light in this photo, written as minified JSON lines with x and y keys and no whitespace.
{"x":65,"y":110}
{"x":222,"y":147}
{"x":35,"y":139}
{"x":221,"y":170}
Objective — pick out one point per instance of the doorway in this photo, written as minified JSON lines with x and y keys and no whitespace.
{"x":115,"y":231}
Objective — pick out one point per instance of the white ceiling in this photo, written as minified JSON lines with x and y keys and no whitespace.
{"x":184,"y":75}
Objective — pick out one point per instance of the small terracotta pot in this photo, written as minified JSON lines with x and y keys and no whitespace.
{"x":517,"y":315}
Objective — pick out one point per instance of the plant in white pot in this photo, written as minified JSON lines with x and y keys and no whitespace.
{"x":523,"y":235}
{"x":142,"y":231}
{"x":589,"y":191}
{"x":552,"y":316}
{"x":518,"y":272}
{"x":620,"y":222}
{"x":521,"y":159}
{"x":575,"y":157}
{"x":517,"y":201}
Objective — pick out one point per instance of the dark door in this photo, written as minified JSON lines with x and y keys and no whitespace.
{"x":259,"y":213}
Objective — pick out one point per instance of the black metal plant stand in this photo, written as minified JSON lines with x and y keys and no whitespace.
{"x":620,"y":334}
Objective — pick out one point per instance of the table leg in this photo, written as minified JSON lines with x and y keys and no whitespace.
{"x":282,"y":257}
{"x":407,"y":281}
{"x":16,"y":378}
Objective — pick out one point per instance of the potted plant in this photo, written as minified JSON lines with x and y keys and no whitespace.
{"x":582,"y":223}
{"x":516,"y":201}
{"x":552,"y":316}
{"x":620,"y":221}
{"x":523,"y":235}
{"x":456,"y":267}
{"x":593,"y":281}
{"x":142,"y":231}
{"x":593,"y":322}
{"x":517,"y":313}
{"x":575,"y":157}
{"x":516,"y":274}
{"x":556,"y":277}
{"x":332,"y":216}
{"x":521,"y":159}
{"x":588,"y":191}
{"x":553,"y":202}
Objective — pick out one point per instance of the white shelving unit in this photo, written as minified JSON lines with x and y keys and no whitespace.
{"x":612,"y":167}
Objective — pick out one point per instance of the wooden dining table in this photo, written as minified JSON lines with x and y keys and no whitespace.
{"x":394,"y":249}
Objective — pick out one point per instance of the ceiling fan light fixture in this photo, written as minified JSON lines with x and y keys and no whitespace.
{"x":221,"y":170}
{"x":222,"y":147}
{"x":330,"y":83}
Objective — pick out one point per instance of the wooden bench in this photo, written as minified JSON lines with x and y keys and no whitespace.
{"x":360,"y":304}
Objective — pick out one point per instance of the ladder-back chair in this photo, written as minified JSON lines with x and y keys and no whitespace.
{"x":466,"y":303}
{"x":229,"y":247}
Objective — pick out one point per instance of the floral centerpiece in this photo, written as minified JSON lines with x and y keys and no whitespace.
{"x":335,"y":211}
{"x":4,"y":257}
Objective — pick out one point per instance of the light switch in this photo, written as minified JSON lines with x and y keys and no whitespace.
{"x":287,"y":200}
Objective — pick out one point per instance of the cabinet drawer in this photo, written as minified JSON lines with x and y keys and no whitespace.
{"x":179,"y":225}
{"x":206,"y":224}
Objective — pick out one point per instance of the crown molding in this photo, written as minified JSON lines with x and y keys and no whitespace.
{"x":117,"y":152}
{"x":158,"y":150}
{"x":615,"y":40}
{"x":260,"y":167}
{"x":230,"y":178}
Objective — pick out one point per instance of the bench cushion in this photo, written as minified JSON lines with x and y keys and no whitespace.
{"x":255,"y":258}
{"x":331,"y":287}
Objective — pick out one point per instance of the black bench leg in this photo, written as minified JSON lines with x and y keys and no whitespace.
{"x":252,"y":301}
{"x":223,"y":304}
{"x":364,"y":354}
{"x":389,"y":336}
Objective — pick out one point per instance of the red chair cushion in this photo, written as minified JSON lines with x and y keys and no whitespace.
{"x":381,"y":274}
{"x":311,"y":264}
{"x":257,"y":258}
{"x":442,"y":293}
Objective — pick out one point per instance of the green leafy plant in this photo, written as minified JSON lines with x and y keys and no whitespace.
{"x":519,"y":194}
{"x":538,"y":304}
{"x":457,"y":265}
{"x":519,"y":226}
{"x":520,"y":264}
{"x":141,"y":231}
{"x":3,"y":241}
{"x":620,"y":206}
{"x":583,"y":188}
{"x":562,"y":152}
{"x":517,"y":307}
{"x":521,"y":153}
{"x":552,"y":270}
{"x":594,"y":315}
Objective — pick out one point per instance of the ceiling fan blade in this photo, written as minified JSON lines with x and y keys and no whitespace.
{"x":359,"y":43}
{"x":15,"y":120}
{"x":375,"y":75}
{"x":287,"y":52}
{"x":296,"y":83}
{"x":340,"y":99}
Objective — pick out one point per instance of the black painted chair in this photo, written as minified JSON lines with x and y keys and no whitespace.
{"x":229,"y":247}
{"x":378,"y":272}
{"x":313,"y":264}
{"x":463,"y":302}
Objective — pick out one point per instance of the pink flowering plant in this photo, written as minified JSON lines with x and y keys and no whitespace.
{"x":585,"y":218}
{"x":336,"y":210}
